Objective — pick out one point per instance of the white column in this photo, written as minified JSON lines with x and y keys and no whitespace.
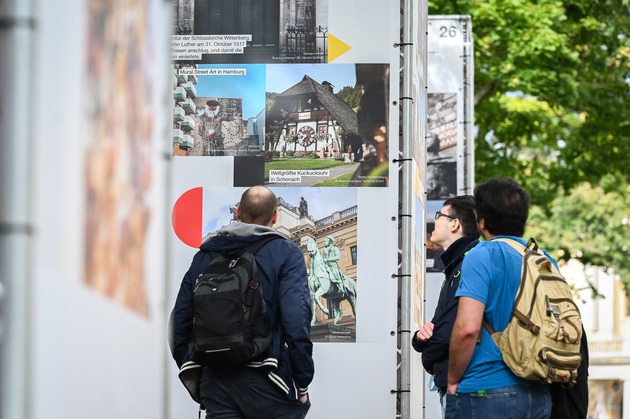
{"x":17,"y":26}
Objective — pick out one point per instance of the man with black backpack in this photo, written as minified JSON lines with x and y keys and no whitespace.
{"x":274,"y":382}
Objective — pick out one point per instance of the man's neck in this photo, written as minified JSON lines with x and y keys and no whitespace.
{"x":448,"y":243}
{"x":487,"y":235}
{"x":456,"y":249}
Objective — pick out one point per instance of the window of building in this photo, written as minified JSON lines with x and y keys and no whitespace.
{"x":353,"y":252}
{"x":308,"y":104}
{"x":252,"y":17}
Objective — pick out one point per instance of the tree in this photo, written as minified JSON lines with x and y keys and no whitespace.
{"x":551,"y":85}
{"x":351,"y":95}
{"x":552,"y":78}
{"x":590,"y":224}
{"x":273,"y":132}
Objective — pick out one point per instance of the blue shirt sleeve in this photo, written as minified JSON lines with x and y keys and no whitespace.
{"x":476,"y":272}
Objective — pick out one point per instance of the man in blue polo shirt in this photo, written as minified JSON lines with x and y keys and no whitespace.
{"x":480,"y":384}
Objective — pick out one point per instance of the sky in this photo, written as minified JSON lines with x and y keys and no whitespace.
{"x":321,"y":202}
{"x":282,"y":76}
{"x":250,"y":87}
{"x":261,"y":78}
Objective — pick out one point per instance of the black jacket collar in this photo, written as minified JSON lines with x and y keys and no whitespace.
{"x":455,"y":252}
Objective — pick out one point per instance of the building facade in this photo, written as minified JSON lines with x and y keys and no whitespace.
{"x":605,"y":310}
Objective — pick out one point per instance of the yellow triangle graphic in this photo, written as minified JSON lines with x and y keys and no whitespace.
{"x":336,"y":47}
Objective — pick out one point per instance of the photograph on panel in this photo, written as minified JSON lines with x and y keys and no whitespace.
{"x":322,"y":222}
{"x":442,"y":128}
{"x":327,"y":125}
{"x":250,"y":31}
{"x":419,"y":265}
{"x":119,"y":172}
{"x":218,"y":110}
{"x":433,"y":260}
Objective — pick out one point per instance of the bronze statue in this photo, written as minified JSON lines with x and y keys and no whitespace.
{"x":303,"y":208}
{"x":323,"y":283}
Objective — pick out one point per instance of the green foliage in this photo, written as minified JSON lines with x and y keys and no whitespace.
{"x":351,"y":95}
{"x":591,"y":225}
{"x":571,"y":56}
{"x":272,"y":135}
{"x":552,"y":82}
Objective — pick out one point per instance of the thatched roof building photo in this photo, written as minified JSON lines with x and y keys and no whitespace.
{"x":324,"y":104}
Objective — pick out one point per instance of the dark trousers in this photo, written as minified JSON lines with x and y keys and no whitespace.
{"x":246,"y":393}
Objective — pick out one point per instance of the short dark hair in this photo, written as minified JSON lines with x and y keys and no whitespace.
{"x":463,"y":208}
{"x":258,"y":205}
{"x":503,"y":205}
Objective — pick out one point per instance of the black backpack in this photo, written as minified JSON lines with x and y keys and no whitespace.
{"x":230,"y":325}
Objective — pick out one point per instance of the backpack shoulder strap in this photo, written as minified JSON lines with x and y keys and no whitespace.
{"x":256,"y":246}
{"x":513,"y":244}
{"x":493,"y":333}
{"x":252,"y":248}
{"x":532,"y":245}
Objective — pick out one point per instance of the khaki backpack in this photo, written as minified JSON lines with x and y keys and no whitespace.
{"x":542,"y":340}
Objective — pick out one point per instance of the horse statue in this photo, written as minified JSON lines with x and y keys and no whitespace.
{"x":321,"y":285}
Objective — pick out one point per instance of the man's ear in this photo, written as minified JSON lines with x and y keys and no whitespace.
{"x":481,"y":226}
{"x":237,"y":213}
{"x":274,"y":218}
{"x":455,"y":226}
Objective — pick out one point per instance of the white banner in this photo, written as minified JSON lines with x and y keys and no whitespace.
{"x":450,"y":158}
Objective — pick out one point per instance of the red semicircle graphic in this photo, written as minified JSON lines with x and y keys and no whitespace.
{"x":187,"y":217}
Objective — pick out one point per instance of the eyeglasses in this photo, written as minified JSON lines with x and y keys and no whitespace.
{"x":439,"y":214}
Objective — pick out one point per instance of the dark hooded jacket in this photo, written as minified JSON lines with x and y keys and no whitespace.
{"x":435,"y":350}
{"x":282,"y":273}
{"x":572,"y":402}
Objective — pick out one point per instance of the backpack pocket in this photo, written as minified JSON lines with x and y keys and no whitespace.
{"x":562,"y":365}
{"x":218,"y":322}
{"x":563,"y":322}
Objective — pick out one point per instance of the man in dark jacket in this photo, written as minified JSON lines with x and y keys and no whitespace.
{"x":572,"y":402}
{"x":456,"y":232}
{"x":275,"y":384}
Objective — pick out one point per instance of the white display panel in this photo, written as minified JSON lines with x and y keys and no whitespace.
{"x":293,"y":108}
{"x":97,"y":342}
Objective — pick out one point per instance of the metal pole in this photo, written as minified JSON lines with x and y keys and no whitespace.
{"x":17,"y":27}
{"x":406,"y":292}
{"x":469,"y":106}
{"x":167,"y":159}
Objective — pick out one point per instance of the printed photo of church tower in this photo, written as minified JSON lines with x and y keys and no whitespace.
{"x":282,"y":31}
